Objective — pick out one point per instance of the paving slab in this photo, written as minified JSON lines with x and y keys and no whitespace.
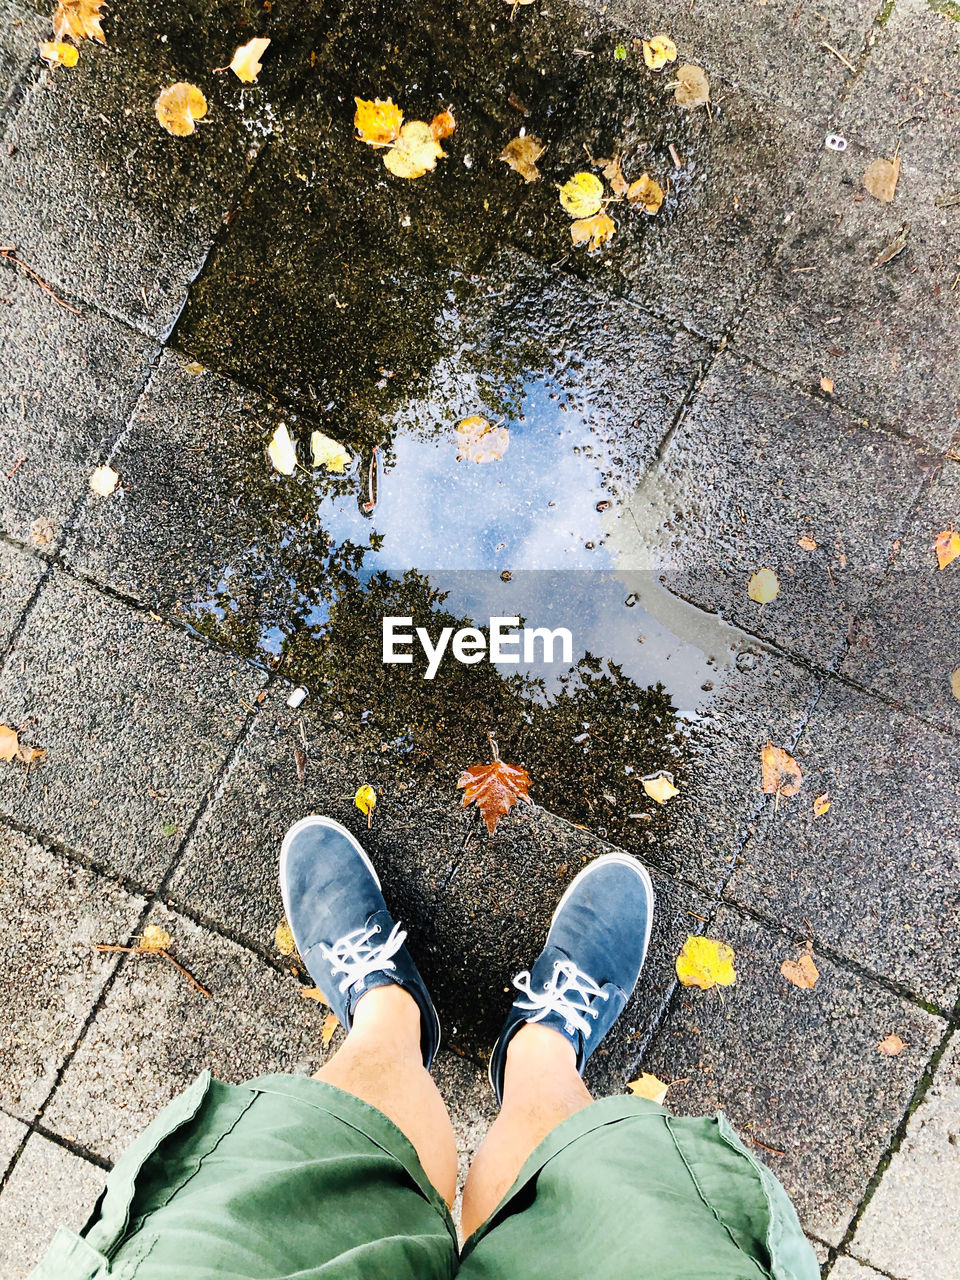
{"x":136,"y":718}
{"x":19,"y":575}
{"x":155,"y":1033}
{"x":847,"y":1268}
{"x":784,"y":1063}
{"x":905,"y":98}
{"x":883,"y":334}
{"x":741,"y":170}
{"x":905,"y":643}
{"x":754,"y":468}
{"x":779,"y":54}
{"x":71,"y":384}
{"x":12,"y":1133}
{"x":20,"y":29}
{"x":908,"y":1228}
{"x":56,"y":912}
{"x":131,"y":227}
{"x":48,"y":1188}
{"x":875,"y":878}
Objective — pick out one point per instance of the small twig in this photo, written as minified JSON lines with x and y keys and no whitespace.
{"x":837,"y":54}
{"x":6,"y":251}
{"x":16,"y":467}
{"x":674,"y":157}
{"x":186,"y":973}
{"x":763,"y":1147}
{"x":154,"y":951}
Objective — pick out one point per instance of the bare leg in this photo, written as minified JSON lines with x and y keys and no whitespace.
{"x":541,"y":1087}
{"x":380,"y":1063}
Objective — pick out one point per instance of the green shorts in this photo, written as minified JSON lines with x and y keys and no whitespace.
{"x":286,"y":1178}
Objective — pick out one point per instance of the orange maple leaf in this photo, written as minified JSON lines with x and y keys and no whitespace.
{"x":781,"y":773}
{"x":495,"y":788}
{"x":947,"y":547}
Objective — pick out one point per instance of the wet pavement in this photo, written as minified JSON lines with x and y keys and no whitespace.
{"x":736,"y":382}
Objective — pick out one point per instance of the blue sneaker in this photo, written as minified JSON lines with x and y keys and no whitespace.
{"x":590,"y":963}
{"x":345,"y":935}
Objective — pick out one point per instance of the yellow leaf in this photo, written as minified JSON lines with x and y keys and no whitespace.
{"x":648,"y":1086}
{"x":880,"y":178}
{"x":659,"y":51}
{"x":891,"y":1045}
{"x":594,"y":232}
{"x":522,"y":154}
{"x":808,"y":544}
{"x":283,"y":938}
{"x":328,"y":453}
{"x":365,"y":799}
{"x":693,"y":87}
{"x":582,"y":195}
{"x":154,"y":938}
{"x":377,"y":123}
{"x":802,"y":972}
{"x":955,"y":684}
{"x":763,"y":586}
{"x":659,"y":786}
{"x":245,"y":63}
{"x":57,"y":53}
{"x":442,"y":125}
{"x":826,"y":385}
{"x":821,"y":804}
{"x":79,"y":19}
{"x":781,"y":774}
{"x":705,"y":963}
{"x":330,"y":1024}
{"x":178,"y":106}
{"x":614,"y":175}
{"x":415,"y":151}
{"x":314,"y":993}
{"x":282,"y":452}
{"x":948,"y":547}
{"x":478,"y":441}
{"x":9,"y":742}
{"x":647,"y":192}
{"x":104,"y":481}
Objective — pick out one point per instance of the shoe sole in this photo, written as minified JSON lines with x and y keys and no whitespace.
{"x":604,"y":860}
{"x":317,"y":820}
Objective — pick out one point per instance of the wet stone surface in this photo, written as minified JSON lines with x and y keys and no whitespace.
{"x":875,"y":878}
{"x":19,"y":31}
{"x":136,"y":720}
{"x":820,"y":1060}
{"x":19,"y":575}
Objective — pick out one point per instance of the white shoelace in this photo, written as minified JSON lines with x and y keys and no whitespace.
{"x":356,"y":957}
{"x":568,"y":984}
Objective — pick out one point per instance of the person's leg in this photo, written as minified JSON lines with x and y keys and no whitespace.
{"x":380,"y":1062}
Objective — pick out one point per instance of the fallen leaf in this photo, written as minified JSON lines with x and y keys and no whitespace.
{"x":705,"y":963}
{"x":522,"y":154}
{"x":802,"y":972}
{"x":478,"y":441}
{"x":880,"y":178}
{"x":365,"y":799}
{"x":104,"y":481}
{"x":894,"y":248}
{"x":377,"y":123}
{"x":614,"y":175}
{"x":193,"y":367}
{"x":245,"y":63}
{"x":154,"y":938}
{"x":314,"y":993}
{"x":582,"y":195}
{"x":283,"y":938}
{"x":58,"y":53}
{"x":79,"y":19}
{"x":42,"y":532}
{"x":282,"y":452}
{"x":821,"y":804}
{"x":781,"y":773}
{"x":693,"y":87}
{"x":646,"y":192}
{"x":658,"y":51}
{"x":495,"y":788}
{"x":648,"y":1086}
{"x":330,"y":1024}
{"x":948,"y":547}
{"x":955,"y":684}
{"x":826,"y":386}
{"x":31,"y":755}
{"x":764,"y":586}
{"x":594,"y":232}
{"x":178,"y":106}
{"x":442,"y":125}
{"x":891,"y":1045}
{"x":9,"y":742}
{"x":807,"y":543}
{"x":415,"y":151}
{"x":325,"y":452}
{"x":659,"y":786}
